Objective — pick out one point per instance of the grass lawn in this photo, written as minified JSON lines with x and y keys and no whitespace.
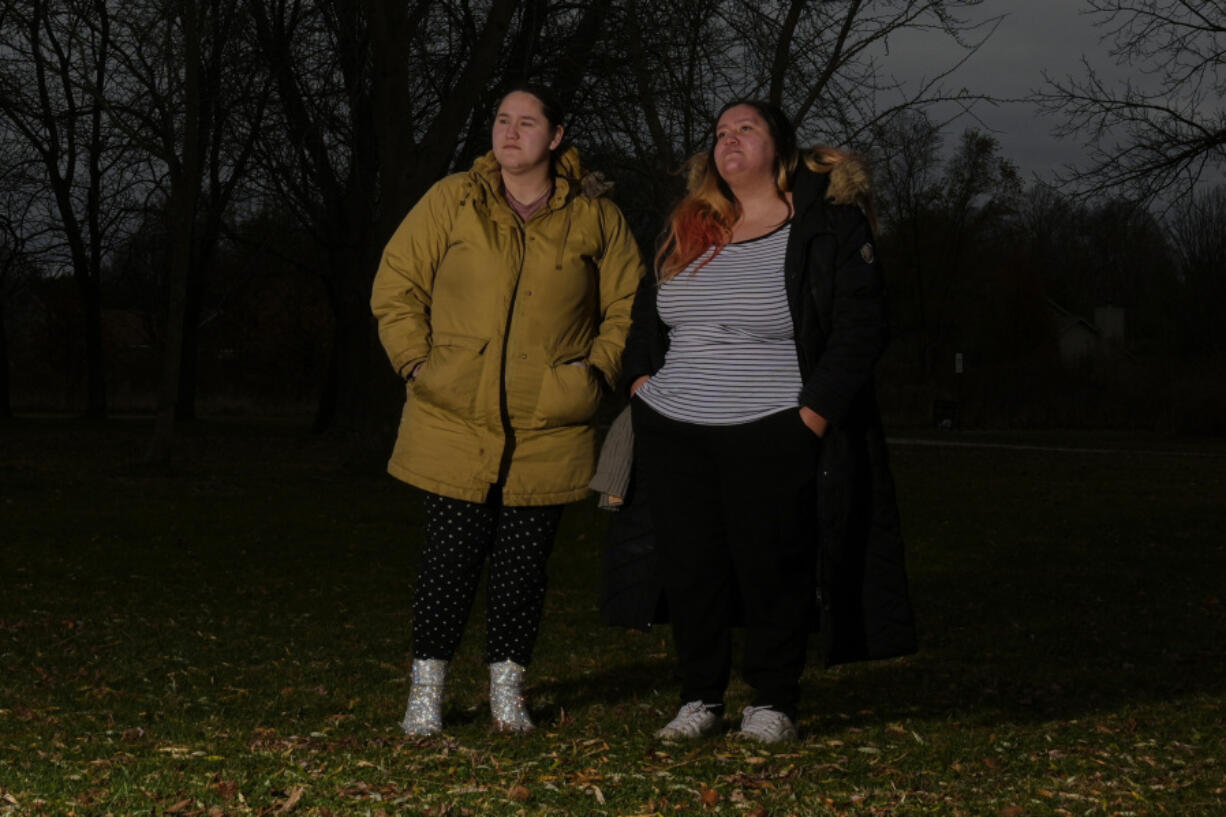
{"x":234,"y":640}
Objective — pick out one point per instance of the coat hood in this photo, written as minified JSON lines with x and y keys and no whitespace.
{"x":570,"y":176}
{"x":845,"y":178}
{"x":848,"y":179}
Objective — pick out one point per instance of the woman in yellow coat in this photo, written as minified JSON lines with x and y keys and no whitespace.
{"x":504,"y":300}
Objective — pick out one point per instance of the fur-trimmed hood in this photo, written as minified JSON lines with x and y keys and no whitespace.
{"x":848,"y":180}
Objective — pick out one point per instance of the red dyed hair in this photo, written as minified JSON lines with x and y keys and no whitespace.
{"x":701,"y":221}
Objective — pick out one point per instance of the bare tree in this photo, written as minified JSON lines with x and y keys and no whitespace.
{"x":664,"y":69}
{"x":1158,"y":134}
{"x":16,"y":199}
{"x":1198,"y":241}
{"x":825,"y":62}
{"x":188,"y":95}
{"x":371,"y":101}
{"x":943,"y":227}
{"x":55,"y":61}
{"x":908,"y":187}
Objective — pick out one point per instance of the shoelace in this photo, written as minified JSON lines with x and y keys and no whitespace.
{"x":690,"y":717}
{"x":763,"y":719}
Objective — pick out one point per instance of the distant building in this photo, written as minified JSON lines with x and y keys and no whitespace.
{"x":1080,"y":340}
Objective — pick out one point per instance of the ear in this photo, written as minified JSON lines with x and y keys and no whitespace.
{"x":557,"y":137}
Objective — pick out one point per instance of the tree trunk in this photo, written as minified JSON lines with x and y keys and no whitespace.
{"x":189,"y":364}
{"x":360,"y":392}
{"x":6,"y":396}
{"x":185,"y":193}
{"x":95,"y":372}
{"x":161,"y":448}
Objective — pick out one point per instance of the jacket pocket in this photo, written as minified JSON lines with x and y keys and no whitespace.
{"x":452,"y":371}
{"x":569,"y":395}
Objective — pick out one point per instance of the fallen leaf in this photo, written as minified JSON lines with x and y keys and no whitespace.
{"x":519,"y":794}
{"x":295,"y":794}
{"x":598,"y":794}
{"x":227,"y":789}
{"x":1012,"y":811}
{"x":708,"y":797}
{"x":757,"y":811}
{"x":179,"y":806}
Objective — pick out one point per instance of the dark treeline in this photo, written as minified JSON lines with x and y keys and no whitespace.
{"x":195,"y":195}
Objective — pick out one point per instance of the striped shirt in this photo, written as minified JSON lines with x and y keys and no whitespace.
{"x":731,"y":355}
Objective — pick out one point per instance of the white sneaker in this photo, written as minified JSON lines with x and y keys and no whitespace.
{"x":766,"y":725}
{"x":693,"y":720}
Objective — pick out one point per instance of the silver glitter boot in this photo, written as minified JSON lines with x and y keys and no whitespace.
{"x":507,"y":698}
{"x":424,"y":714}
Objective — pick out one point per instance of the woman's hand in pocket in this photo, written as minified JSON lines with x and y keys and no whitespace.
{"x":816,"y":422}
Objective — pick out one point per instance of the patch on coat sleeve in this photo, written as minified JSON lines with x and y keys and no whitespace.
{"x":866,"y":252}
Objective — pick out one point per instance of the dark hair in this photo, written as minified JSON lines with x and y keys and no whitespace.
{"x":550,"y":106}
{"x":782,"y":132}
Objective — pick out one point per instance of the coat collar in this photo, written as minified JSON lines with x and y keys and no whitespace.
{"x":570,"y":179}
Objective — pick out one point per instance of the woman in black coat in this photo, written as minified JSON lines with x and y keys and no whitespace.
{"x":757,"y":429}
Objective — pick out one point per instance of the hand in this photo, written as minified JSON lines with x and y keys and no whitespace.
{"x":816,"y":422}
{"x":638,"y":383}
{"x":416,"y":369}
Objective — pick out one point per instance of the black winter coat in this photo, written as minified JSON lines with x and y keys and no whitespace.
{"x":836,"y":296}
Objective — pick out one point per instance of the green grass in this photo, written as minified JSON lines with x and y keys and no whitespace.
{"x":233,"y":640}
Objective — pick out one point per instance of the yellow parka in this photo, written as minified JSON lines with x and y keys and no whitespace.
{"x":497,"y":310}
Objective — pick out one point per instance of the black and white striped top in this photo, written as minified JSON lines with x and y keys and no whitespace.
{"x":731,"y":356}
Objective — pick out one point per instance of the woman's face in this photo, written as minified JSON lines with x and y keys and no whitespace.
{"x":522,"y":135}
{"x":744,"y":146}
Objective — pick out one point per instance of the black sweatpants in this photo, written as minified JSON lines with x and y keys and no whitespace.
{"x":734,"y":508}
{"x":459,"y":537}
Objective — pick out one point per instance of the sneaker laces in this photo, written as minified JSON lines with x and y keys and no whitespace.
{"x":766,"y":724}
{"x":692,"y":720}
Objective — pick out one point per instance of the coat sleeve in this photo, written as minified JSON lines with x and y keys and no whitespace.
{"x":401,"y":296}
{"x":857,"y":328}
{"x":620,"y":270}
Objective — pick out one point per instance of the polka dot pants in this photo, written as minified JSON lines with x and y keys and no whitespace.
{"x":459,"y":537}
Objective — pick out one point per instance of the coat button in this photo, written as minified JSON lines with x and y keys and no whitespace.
{"x":523,"y":357}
